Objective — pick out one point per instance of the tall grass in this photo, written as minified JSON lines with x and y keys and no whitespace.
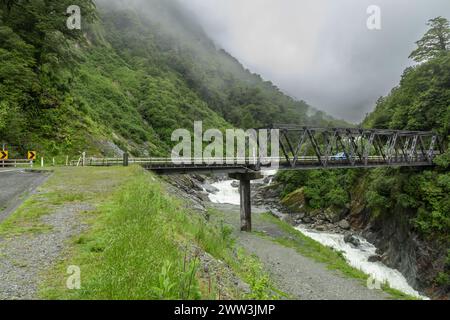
{"x":144,"y":244}
{"x":139,"y":249}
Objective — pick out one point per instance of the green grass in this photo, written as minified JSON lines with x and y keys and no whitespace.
{"x":142,"y":245}
{"x":64,"y":186}
{"x":26,"y":219}
{"x":333,"y":259}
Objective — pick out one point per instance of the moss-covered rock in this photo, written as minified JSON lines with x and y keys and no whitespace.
{"x":295,"y":201}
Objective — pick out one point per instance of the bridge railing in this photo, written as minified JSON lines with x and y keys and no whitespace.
{"x":252,"y":161}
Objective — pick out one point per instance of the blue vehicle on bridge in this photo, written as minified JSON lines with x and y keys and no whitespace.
{"x":340,"y":156}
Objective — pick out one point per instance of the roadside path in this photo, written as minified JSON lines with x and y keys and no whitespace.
{"x":37,"y":234}
{"x":300,"y":277}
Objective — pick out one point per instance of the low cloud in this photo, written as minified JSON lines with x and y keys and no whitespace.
{"x":321,"y":50}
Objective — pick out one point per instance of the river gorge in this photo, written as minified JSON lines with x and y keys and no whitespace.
{"x":358,"y":252}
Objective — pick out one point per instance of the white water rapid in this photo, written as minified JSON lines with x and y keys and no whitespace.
{"x":356,"y":257}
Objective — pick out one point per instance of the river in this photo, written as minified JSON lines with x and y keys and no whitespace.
{"x":356,"y":257}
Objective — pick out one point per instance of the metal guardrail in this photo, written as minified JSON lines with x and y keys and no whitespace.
{"x":16,"y":163}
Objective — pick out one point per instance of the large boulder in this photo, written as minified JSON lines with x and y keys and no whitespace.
{"x":344,"y":224}
{"x":331,"y":216}
{"x":307,"y":220}
{"x":295,"y":201}
{"x":235,"y":184}
{"x":351,"y":239}
{"x":375,"y":258}
{"x":210,"y":188}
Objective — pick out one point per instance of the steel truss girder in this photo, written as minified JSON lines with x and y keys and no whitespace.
{"x":360,"y":146}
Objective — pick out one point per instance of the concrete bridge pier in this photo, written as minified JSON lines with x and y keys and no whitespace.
{"x":245,"y":193}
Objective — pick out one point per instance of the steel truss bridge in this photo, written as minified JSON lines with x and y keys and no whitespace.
{"x":304,"y":148}
{"x":308,"y":148}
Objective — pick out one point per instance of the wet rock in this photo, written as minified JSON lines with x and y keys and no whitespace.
{"x":295,"y":201}
{"x":321,"y":228}
{"x":235,"y":184}
{"x":267,"y":180}
{"x":351,"y":239}
{"x":343,"y":224}
{"x":343,"y":213}
{"x":375,"y":258}
{"x":199,"y":178}
{"x":307,"y":220}
{"x":209,"y":188}
{"x":330,"y":216}
{"x":203,"y":196}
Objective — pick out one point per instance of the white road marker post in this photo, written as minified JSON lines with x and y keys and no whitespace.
{"x":83,"y":159}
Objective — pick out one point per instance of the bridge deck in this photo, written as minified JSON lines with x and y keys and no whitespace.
{"x":167,"y":169}
{"x":206,"y":166}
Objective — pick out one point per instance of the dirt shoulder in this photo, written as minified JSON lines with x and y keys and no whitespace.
{"x":34,"y":236}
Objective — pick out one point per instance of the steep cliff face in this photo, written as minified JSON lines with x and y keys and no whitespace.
{"x":400,"y":246}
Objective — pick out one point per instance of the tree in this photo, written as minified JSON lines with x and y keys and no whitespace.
{"x":434,"y":42}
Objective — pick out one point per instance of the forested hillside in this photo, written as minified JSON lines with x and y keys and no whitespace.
{"x":406,"y":212}
{"x":124,"y":82}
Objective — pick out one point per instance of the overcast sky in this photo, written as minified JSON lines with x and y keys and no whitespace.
{"x":321,"y":51}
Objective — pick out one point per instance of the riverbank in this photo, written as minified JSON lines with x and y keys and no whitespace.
{"x":356,"y":252}
{"x":129,"y":234}
{"x":300,"y":267}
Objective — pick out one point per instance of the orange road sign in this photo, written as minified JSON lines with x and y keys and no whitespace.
{"x":3,"y":155}
{"x":32,"y":155}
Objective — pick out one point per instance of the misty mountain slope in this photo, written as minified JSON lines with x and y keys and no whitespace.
{"x":132,"y":76}
{"x":169,"y":33}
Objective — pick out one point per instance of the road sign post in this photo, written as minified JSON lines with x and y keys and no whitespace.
{"x":31,"y":155}
{"x":3,"y":156}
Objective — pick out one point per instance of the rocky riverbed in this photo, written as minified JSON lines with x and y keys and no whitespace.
{"x":334,"y":229}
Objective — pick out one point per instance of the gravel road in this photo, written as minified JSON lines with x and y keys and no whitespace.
{"x":25,"y":257}
{"x":15,"y":185}
{"x":302,"y":278}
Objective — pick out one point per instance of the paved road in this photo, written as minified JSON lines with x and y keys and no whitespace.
{"x":15,"y":185}
{"x":301,"y":277}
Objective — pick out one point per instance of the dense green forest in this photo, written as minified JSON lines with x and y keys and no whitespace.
{"x":420,"y":199}
{"x":126,"y":80}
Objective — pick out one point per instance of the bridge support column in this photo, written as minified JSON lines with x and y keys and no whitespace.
{"x":245,"y":193}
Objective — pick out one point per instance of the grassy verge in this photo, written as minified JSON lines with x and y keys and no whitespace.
{"x":331,"y":258}
{"x":139,"y":247}
{"x":64,"y":186}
